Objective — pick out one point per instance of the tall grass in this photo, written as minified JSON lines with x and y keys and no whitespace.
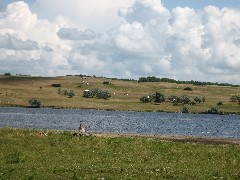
{"x":32,"y":154}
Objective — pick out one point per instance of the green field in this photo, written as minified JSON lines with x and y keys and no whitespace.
{"x":17,"y":91}
{"x":32,"y":154}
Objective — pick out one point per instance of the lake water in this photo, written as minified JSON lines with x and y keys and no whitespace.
{"x":200,"y":125}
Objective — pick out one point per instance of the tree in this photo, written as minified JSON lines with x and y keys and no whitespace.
{"x":70,"y":93}
{"x":158,"y":97}
{"x":35,"y":103}
{"x":197,"y":99}
{"x":7,"y":74}
{"x":185,"y":99}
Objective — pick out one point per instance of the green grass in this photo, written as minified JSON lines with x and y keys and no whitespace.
{"x":32,"y":154}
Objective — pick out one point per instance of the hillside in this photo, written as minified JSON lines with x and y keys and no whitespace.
{"x":125,"y":95}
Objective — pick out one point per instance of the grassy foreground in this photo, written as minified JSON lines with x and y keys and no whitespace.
{"x":32,"y":154}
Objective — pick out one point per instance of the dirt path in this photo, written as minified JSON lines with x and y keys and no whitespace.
{"x":203,"y":140}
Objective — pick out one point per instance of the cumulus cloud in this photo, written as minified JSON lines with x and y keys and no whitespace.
{"x":28,"y":44}
{"x":138,"y":38}
{"x":75,"y":34}
{"x":90,"y":14}
{"x":11,"y":42}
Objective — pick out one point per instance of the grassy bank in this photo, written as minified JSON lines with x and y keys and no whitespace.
{"x":17,"y":91}
{"x":31,"y":154}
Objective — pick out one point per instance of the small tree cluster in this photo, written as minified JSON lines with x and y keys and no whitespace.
{"x":158,"y":98}
{"x":7,"y":74}
{"x":65,"y":92}
{"x":98,"y":93}
{"x":183,"y":99}
{"x":155,"y":97}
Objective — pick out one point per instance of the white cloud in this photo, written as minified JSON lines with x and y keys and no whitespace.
{"x":29,"y":44}
{"x":147,"y":39}
{"x":91,"y":14}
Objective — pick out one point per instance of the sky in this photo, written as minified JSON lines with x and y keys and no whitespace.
{"x":180,"y":39}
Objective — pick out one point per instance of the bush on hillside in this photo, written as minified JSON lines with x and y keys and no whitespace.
{"x":185,"y":109}
{"x":70,"y":94}
{"x":56,"y":85}
{"x":215,"y":110}
{"x":35,"y":103}
{"x":155,"y":97}
{"x":187,"y":89}
{"x":98,"y":93}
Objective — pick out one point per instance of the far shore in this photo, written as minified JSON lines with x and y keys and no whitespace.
{"x":59,"y":107}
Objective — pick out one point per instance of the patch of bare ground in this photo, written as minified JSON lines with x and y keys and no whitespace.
{"x":190,"y":139}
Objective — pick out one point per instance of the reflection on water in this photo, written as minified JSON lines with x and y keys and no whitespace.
{"x":227,"y":126}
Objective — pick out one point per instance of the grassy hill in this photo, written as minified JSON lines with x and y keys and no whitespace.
{"x":18,"y":90}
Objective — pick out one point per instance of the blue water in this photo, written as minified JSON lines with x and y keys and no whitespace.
{"x":198,"y":125}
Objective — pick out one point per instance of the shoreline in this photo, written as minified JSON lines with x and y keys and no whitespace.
{"x":161,"y":137}
{"x":77,"y":108}
{"x":189,"y":139}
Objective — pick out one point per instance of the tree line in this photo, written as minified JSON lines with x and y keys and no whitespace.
{"x":169,"y":80}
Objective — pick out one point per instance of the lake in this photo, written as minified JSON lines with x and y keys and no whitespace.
{"x":198,"y":125}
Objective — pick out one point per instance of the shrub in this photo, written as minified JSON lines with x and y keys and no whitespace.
{"x":197,"y":99}
{"x":56,"y":85}
{"x":155,"y":97}
{"x":187,"y":89}
{"x":145,"y":99}
{"x":103,"y":95}
{"x":35,"y":102}
{"x":174,"y":99}
{"x":214,"y":110}
{"x":185,"y":109}
{"x":98,"y":93}
{"x":158,"y":97}
{"x":185,"y":99}
{"x":70,"y":94}
{"x":106,"y":82}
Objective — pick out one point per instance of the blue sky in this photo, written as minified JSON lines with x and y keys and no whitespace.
{"x":170,"y":4}
{"x":197,"y":4}
{"x":179,"y":39}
